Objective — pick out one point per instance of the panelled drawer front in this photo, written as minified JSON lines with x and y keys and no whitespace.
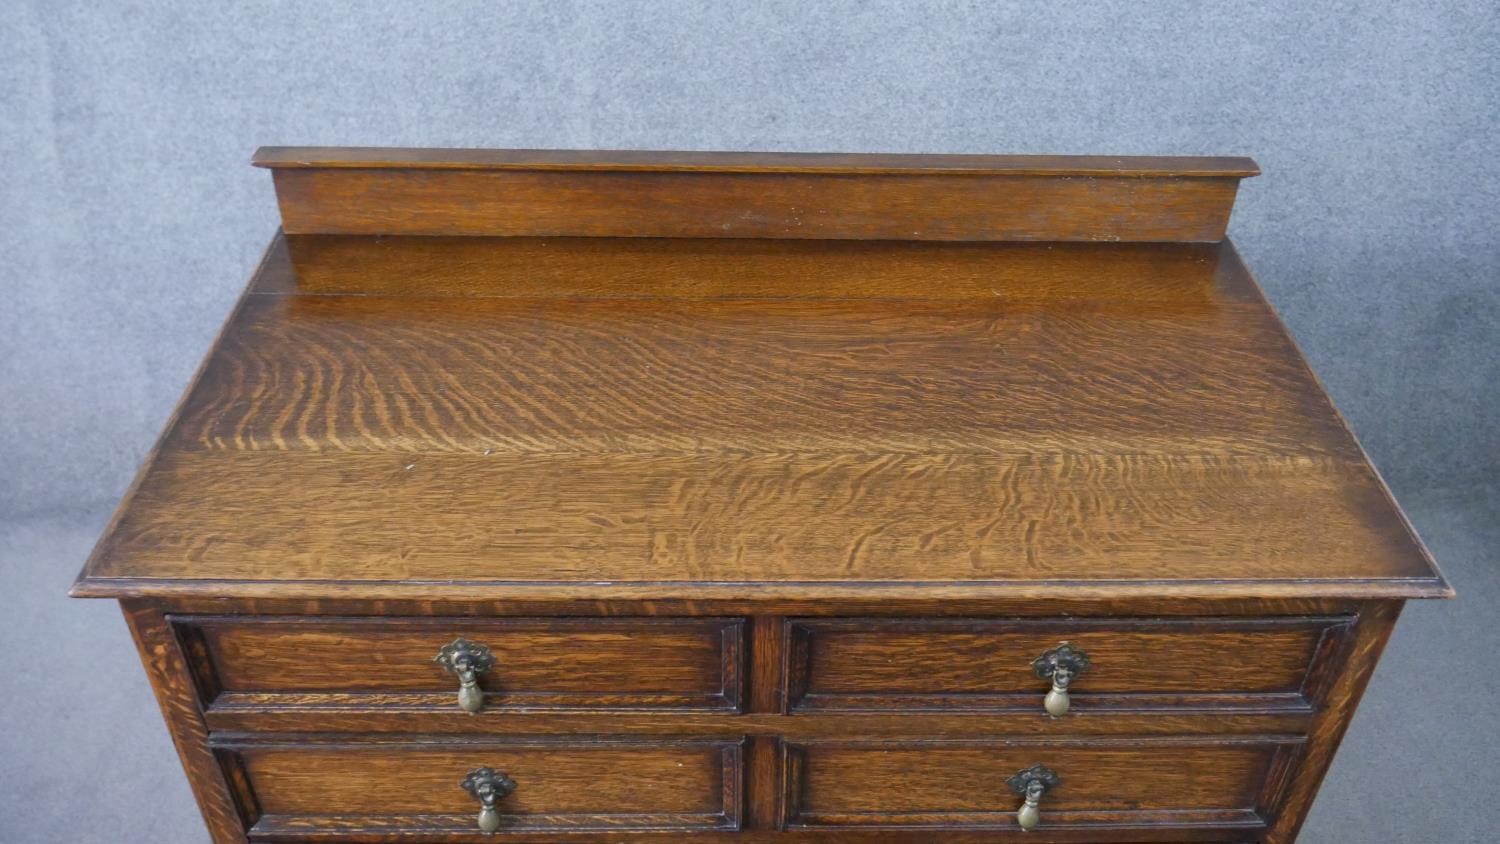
{"x":539,"y":663}
{"x":1214,"y":785}
{"x":306,"y":788}
{"x":986,"y":664}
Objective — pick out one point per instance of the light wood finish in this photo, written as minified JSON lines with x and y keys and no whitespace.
{"x":765,"y":478}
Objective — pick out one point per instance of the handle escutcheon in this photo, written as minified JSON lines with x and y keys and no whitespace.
{"x":1061,"y":665}
{"x":466,"y":661}
{"x":1031,"y":784}
{"x":488,"y":786}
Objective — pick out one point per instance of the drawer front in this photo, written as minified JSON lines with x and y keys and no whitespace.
{"x":388,"y":663}
{"x":1133,"y":664}
{"x":1206,"y":786}
{"x":412,"y":789}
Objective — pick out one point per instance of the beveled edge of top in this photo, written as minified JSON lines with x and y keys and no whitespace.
{"x":825,"y":163}
{"x":1359,"y":589}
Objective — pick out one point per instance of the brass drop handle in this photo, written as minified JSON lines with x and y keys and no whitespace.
{"x":1031,"y":784}
{"x":1061,"y":665}
{"x":466,"y":661}
{"x":488,"y":786}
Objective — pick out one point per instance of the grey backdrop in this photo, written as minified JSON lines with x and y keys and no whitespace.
{"x":130,"y":219}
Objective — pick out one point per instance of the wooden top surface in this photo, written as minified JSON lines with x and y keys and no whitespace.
{"x":656,"y":418}
{"x":751,"y":162}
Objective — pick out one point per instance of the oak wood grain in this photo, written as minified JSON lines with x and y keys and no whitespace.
{"x":438,"y":375}
{"x":176,"y":693}
{"x":766,"y":477}
{"x":874,"y":605}
{"x":393,"y":522}
{"x":382,"y":784}
{"x":777,"y":205}
{"x":540,"y":664}
{"x":530,"y":193}
{"x":283,"y":718}
{"x":929,"y":664}
{"x":1359,"y":655}
{"x":961,"y":783}
{"x":723,"y":268}
{"x":694,"y":442}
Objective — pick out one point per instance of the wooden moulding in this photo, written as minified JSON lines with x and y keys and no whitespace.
{"x":753,"y":195}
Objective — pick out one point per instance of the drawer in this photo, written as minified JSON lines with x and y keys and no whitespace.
{"x":534,"y":663}
{"x":1133,"y":664}
{"x":1178,"y":788}
{"x":313,"y":788}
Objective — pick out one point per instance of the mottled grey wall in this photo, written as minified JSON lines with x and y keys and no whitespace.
{"x":130,"y":218}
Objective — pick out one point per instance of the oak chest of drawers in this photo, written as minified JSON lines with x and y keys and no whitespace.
{"x":547,"y":496}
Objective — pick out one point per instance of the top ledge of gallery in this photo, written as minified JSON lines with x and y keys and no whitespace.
{"x":815,"y":163}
